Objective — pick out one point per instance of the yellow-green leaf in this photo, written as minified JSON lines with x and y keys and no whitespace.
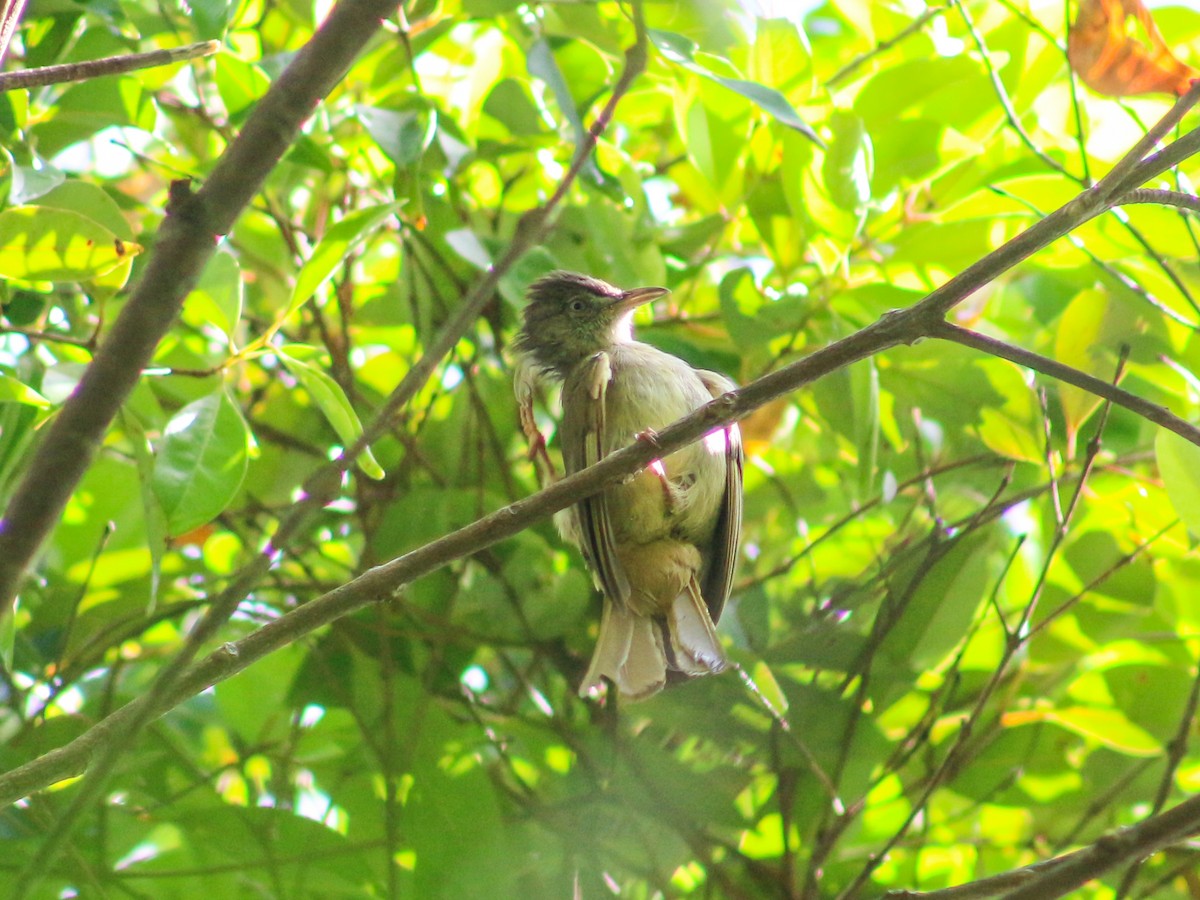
{"x":333,"y":403}
{"x":1088,"y":338}
{"x":39,"y":243}
{"x":13,"y":391}
{"x":1179,"y":465}
{"x":1108,"y":727}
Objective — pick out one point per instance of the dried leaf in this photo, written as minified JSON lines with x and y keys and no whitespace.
{"x":1112,"y":61}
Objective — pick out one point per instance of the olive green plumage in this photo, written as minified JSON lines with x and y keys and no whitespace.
{"x":663,"y":544}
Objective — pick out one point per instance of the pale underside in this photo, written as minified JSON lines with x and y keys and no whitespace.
{"x":661,"y":545}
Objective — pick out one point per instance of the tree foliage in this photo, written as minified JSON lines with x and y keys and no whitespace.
{"x":964,"y":620}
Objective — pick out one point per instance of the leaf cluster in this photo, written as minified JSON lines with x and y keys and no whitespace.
{"x":964,"y":615}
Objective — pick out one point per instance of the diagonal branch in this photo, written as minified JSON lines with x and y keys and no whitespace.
{"x":109,"y":65}
{"x":104,"y":749}
{"x":1109,"y":391}
{"x":188,"y":238}
{"x":924,"y":319}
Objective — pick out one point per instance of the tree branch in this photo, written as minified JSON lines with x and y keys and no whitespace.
{"x":188,"y":237}
{"x":895,"y":328}
{"x":1162,"y":198}
{"x":109,"y":65}
{"x":1109,"y":391}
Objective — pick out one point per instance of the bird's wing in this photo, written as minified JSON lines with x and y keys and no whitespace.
{"x":722,"y":559}
{"x":583,"y":443}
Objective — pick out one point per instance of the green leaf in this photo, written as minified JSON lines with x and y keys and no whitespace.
{"x":211,"y":18}
{"x":333,"y":403}
{"x":509,"y":102}
{"x":1179,"y":465}
{"x":864,"y":393}
{"x":39,"y":243}
{"x":338,"y":243}
{"x":1107,"y":727}
{"x":542,"y":64}
{"x":1012,"y":428}
{"x":782,"y":55}
{"x":681,"y":50}
{"x":30,"y":182}
{"x":202,"y":461}
{"x":1088,"y":338}
{"x":945,"y":598}
{"x":218,"y":296}
{"x":14,"y":391}
{"x":91,"y":201}
{"x":402,"y":135}
{"x":157,"y":533}
{"x":849,"y":163}
{"x":239,"y":83}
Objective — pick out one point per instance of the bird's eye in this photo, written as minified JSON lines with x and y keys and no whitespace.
{"x":577,"y":305}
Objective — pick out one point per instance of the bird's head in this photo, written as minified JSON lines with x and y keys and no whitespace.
{"x":571,"y":316}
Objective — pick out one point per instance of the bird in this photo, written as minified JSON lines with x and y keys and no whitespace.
{"x":662,"y":545}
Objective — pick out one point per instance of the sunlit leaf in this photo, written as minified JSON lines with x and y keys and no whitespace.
{"x":849,"y":162}
{"x":681,"y":51}
{"x":91,"y":201}
{"x":333,"y":403}
{"x":217,"y":297}
{"x":338,"y":243}
{"x":13,"y":391}
{"x":1179,"y":465}
{"x":40,"y":243}
{"x":403,"y":135}
{"x":1013,"y":428}
{"x":202,"y":461}
{"x":1104,"y":726}
{"x":1088,"y":338}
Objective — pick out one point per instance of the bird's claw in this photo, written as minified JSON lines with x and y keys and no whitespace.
{"x":648,"y":436}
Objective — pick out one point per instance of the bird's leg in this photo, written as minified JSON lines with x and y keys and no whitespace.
{"x":539,"y":455}
{"x":672,"y":495}
{"x":525,"y":383}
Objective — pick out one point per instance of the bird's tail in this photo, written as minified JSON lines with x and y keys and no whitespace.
{"x":694,"y":647}
{"x":632,"y":654}
{"x":629,"y":652}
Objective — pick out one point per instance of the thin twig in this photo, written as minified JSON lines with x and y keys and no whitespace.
{"x":1010,"y":113}
{"x":109,"y":65}
{"x":10,"y":17}
{"x":1151,"y":412}
{"x":917,"y":24}
{"x":1161,"y":197}
{"x":1115,"y":182}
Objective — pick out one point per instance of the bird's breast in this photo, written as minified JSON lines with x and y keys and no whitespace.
{"x":680,"y":495}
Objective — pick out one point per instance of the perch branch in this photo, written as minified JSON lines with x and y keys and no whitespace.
{"x":924,"y":319}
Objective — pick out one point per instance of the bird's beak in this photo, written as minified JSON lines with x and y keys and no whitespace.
{"x":631,"y":300}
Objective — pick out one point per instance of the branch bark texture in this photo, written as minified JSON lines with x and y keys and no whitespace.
{"x":194,"y":224}
{"x":923,"y":320}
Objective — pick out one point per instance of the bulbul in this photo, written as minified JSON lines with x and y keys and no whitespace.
{"x":662,"y":545}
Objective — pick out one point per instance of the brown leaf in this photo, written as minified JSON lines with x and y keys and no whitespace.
{"x":1112,"y":61}
{"x":758,"y":429}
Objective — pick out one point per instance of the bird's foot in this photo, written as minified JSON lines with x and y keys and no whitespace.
{"x":670,"y":492}
{"x":648,"y":436}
